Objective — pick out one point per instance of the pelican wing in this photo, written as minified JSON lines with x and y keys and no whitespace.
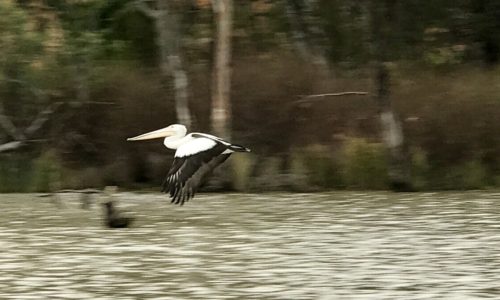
{"x":191,"y":166}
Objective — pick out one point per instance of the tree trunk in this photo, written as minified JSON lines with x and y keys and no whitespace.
{"x":11,"y":146}
{"x":391,"y":128}
{"x":180,"y":91}
{"x":168,"y":41}
{"x":392,"y":133}
{"x":221,"y":84}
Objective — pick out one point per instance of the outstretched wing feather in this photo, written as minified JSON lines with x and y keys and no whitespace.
{"x":190,"y":187}
{"x":187,"y":173}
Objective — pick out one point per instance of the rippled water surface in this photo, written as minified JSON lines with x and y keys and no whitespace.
{"x":276,"y":246}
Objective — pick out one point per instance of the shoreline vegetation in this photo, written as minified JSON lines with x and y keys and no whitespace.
{"x":450,"y":122}
{"x":78,"y":78}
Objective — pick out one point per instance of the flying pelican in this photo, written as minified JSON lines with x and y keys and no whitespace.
{"x":196,"y":155}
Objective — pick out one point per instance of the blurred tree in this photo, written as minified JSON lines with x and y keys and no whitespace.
{"x":221,"y":84}
{"x":82,"y":43}
{"x":25,"y":55}
{"x":308,"y":37}
{"x":383,"y":23}
{"x":79,"y":62}
{"x":486,"y":22}
{"x":166,"y":17}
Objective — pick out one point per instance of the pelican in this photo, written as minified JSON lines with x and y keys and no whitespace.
{"x":196,"y":155}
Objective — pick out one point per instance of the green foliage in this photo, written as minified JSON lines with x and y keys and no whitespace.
{"x":298,"y":172}
{"x":468,"y":175}
{"x":132,"y":33}
{"x":15,"y":173}
{"x":475,"y":175}
{"x":420,"y":169}
{"x":47,"y":172}
{"x":21,"y":56}
{"x":344,"y":29}
{"x":323,"y":171}
{"x":364,"y":164}
{"x":241,"y":166}
{"x":18,"y":41}
{"x":444,"y":56}
{"x":270,"y":175}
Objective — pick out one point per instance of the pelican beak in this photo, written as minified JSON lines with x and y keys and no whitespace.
{"x":160,"y":133}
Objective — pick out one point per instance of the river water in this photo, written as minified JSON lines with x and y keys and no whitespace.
{"x":346,"y":245}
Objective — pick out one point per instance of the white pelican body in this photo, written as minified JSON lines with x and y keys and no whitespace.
{"x":196,"y":155}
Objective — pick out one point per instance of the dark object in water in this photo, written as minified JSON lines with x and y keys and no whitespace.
{"x":113,"y":217}
{"x":85,"y":201}
{"x":401,"y":187}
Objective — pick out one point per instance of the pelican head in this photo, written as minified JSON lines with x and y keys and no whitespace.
{"x":172,"y":130}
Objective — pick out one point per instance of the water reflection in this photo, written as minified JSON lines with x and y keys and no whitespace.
{"x":280,"y":246}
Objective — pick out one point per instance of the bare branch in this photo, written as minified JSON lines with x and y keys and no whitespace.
{"x":7,"y":124}
{"x":20,"y":136}
{"x":40,"y":94}
{"x":10,"y":146}
{"x":42,"y":117}
{"x":100,"y":102}
{"x":37,"y":123}
{"x":145,"y":9}
{"x":337,"y":94}
{"x":307,"y":98}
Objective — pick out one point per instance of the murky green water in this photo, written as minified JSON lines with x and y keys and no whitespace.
{"x":279,"y":246}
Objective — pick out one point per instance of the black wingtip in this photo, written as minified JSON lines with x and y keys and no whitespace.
{"x":238,"y":148}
